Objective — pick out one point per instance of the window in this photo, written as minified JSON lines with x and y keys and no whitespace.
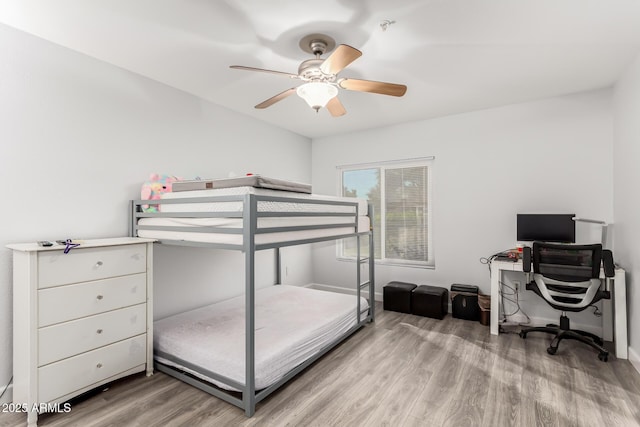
{"x":401,"y":197}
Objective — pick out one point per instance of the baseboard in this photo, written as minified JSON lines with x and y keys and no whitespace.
{"x":331,"y":288}
{"x":7,"y":394}
{"x":634,"y":358}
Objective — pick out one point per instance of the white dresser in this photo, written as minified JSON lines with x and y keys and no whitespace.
{"x":80,"y":319}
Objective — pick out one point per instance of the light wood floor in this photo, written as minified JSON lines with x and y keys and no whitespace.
{"x":403,"y":370}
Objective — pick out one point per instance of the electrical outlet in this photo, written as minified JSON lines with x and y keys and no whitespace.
{"x":516,"y":286}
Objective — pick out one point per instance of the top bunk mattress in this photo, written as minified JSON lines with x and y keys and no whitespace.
{"x":263,"y":206}
{"x":203,"y":220}
{"x":291,"y":325}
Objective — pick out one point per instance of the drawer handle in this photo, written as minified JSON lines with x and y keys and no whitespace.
{"x":99,"y":264}
{"x":99,"y":365}
{"x":99,"y":331}
{"x":99,"y":297}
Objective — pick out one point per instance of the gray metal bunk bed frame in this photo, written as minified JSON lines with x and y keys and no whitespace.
{"x":250,"y":215}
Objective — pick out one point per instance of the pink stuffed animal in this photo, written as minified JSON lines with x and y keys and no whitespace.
{"x":154,"y":188}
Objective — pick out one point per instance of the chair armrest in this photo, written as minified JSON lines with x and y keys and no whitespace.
{"x":609,"y":269}
{"x":526,"y":259}
{"x":607,"y":261}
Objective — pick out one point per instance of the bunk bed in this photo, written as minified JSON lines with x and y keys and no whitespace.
{"x":201,"y":347}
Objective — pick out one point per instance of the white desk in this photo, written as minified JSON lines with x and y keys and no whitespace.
{"x":614,"y":319}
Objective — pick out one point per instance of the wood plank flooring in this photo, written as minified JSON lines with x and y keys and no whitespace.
{"x":404,"y":370}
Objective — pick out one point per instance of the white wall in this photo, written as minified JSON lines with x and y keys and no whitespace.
{"x":77,"y":139}
{"x":553,"y":155}
{"x":626,"y":204}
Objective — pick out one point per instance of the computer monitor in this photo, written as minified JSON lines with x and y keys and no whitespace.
{"x":559,"y":228}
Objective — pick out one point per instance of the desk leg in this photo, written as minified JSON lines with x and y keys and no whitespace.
{"x":607,"y":319}
{"x":496,"y":272}
{"x":620,"y":314}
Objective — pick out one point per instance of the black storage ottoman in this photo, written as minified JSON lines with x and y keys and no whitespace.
{"x":430,"y":301}
{"x":464,"y":302}
{"x":396,"y":296}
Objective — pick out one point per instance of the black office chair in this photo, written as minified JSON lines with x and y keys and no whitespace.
{"x":567,"y":277}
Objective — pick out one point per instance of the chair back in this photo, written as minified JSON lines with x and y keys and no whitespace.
{"x":567,"y":276}
{"x":567,"y":263}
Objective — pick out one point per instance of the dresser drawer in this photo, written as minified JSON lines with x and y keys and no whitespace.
{"x":82,"y":265}
{"x":77,"y":336}
{"x":70,"y":302}
{"x":64,"y":377}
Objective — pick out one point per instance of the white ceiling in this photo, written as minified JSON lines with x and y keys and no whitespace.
{"x":454,"y":55}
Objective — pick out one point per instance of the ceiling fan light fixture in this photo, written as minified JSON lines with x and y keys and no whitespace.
{"x":317,"y":94}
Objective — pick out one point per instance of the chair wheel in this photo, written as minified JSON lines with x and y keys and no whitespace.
{"x":552,"y":350}
{"x":603,"y":357}
{"x":523,"y":334}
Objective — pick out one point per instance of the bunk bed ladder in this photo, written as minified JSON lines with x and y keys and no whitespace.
{"x":370,"y":284}
{"x":371,"y":259}
{"x":358,"y":279}
{"x":367,"y":284}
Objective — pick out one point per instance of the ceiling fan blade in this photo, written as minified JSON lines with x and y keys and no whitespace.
{"x":279,"y":97}
{"x":342,"y":56}
{"x":335,"y":107}
{"x":373,"y":87}
{"x":262,"y":70}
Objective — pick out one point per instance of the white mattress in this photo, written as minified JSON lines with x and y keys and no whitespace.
{"x":263,"y":206}
{"x":264,"y":222}
{"x":292,"y":324}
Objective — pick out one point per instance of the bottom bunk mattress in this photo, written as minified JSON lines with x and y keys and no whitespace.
{"x":291,"y":325}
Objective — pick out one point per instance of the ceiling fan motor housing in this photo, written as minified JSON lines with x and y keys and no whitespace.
{"x":309,"y":70}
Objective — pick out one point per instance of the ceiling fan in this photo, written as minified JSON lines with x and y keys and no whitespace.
{"x":320,"y":76}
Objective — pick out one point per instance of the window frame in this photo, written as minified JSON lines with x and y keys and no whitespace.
{"x":428,"y":163}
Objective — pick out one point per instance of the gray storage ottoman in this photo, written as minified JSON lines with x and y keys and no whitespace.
{"x":430,"y":301}
{"x":397,"y":296}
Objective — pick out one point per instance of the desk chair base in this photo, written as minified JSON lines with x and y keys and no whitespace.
{"x":564,"y":332}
